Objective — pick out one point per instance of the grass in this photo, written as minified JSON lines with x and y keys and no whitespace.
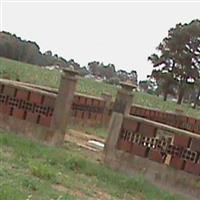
{"x":36,"y":75}
{"x":32,"y":171}
{"x":152,"y":101}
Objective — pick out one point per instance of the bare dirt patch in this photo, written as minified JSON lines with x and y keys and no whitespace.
{"x":81,"y":139}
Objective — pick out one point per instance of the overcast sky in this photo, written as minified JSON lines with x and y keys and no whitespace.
{"x":122,"y":33}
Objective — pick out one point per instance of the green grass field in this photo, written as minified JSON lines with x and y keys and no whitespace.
{"x":32,"y":171}
{"x":36,"y":75}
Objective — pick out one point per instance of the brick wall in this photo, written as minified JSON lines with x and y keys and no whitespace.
{"x":88,"y":109}
{"x":36,"y":104}
{"x":26,"y":103}
{"x":180,"y":121}
{"x":160,"y":144}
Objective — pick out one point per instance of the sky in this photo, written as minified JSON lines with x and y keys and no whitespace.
{"x":123,"y":33}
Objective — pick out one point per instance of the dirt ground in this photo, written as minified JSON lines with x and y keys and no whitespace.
{"x":81,"y":139}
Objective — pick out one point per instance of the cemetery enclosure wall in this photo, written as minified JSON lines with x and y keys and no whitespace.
{"x":178,"y":120}
{"x":26,"y":110}
{"x":167,"y":156}
{"x":35,"y":104}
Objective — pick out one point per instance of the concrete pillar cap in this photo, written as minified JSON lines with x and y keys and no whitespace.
{"x":70,"y":72}
{"x":128,"y":86}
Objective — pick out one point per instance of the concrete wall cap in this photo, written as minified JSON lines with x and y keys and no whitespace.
{"x":164,"y":127}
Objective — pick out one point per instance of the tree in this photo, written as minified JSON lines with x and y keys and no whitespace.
{"x":133,"y":77}
{"x":122,"y":75}
{"x":14,"y":47}
{"x":164,"y":77}
{"x":147,"y":85}
{"x":197,"y":85}
{"x":94,"y":68}
{"x":180,"y":55}
{"x":83,"y":71}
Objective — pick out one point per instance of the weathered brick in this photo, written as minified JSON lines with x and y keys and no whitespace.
{"x":139,"y":150}
{"x":82,"y":100}
{"x":101,"y":104}
{"x":32,"y":117}
{"x":191,"y":120}
{"x":193,"y":168}
{"x":141,"y":111}
{"x":147,"y":114}
{"x":76,"y":99}
{"x":190,"y":124}
{"x":197,"y":127}
{"x":45,"y":121}
{"x":161,"y":117}
{"x":89,"y":101}
{"x":18,"y":113}
{"x":22,"y":94}
{"x":152,"y":115}
{"x":156,"y":155}
{"x":49,"y":101}
{"x":9,"y":90}
{"x":182,"y":122}
{"x":177,"y":162}
{"x":131,"y":125}
{"x":95,"y":102}
{"x":195,"y":144}
{"x":133,"y":110}
{"x":36,"y":98}
{"x":147,"y":130}
{"x":5,"y":109}
{"x":1,"y":87}
{"x":170,"y":119}
{"x":181,"y":140}
{"x":156,"y":115}
{"x":124,"y":145}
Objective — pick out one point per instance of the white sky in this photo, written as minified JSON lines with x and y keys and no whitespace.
{"x":122,"y":33}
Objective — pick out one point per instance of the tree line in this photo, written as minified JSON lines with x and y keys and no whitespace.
{"x":177,"y":62}
{"x":13,"y":47}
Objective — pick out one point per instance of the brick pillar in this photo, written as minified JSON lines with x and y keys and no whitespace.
{"x":106,"y":115}
{"x":122,"y":106}
{"x":62,"y":109}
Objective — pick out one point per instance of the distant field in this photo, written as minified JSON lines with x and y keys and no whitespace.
{"x":36,"y":75}
{"x":32,"y":171}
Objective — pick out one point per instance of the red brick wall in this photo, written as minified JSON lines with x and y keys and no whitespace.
{"x":26,"y":104}
{"x":36,"y":106}
{"x":179,"y":121}
{"x":87,"y":109}
{"x":181,"y":152}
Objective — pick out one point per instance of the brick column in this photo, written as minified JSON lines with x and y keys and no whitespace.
{"x":122,"y":106}
{"x":106,"y":115}
{"x":62,"y":110}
